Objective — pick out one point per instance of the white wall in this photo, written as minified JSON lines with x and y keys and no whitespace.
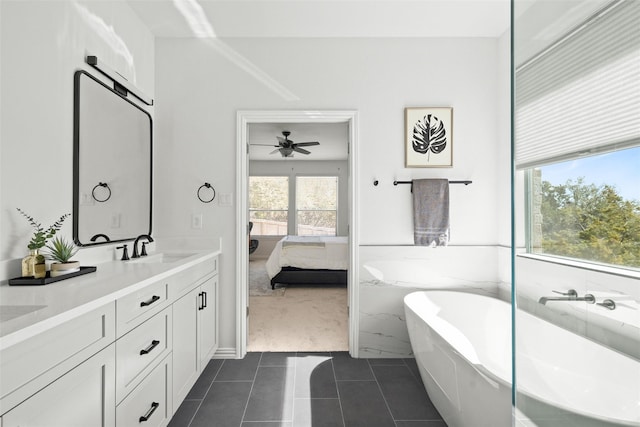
{"x":201,"y":84}
{"x":42,"y":44}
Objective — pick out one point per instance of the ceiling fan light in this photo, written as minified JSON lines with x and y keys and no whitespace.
{"x":286,"y":152}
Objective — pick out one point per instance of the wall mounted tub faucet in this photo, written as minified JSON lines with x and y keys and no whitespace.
{"x":608,"y":304}
{"x":570,"y":295}
{"x":135,"y":245}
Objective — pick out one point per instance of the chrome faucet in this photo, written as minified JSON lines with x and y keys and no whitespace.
{"x":135,"y":245}
{"x":570,"y":295}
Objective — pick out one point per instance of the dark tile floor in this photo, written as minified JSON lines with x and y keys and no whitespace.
{"x":308,"y":389}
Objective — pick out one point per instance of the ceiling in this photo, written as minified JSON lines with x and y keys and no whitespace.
{"x":324,"y":18}
{"x":333,"y":139}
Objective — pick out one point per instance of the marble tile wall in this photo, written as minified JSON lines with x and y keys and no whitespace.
{"x":618,"y":329}
{"x":388,"y":273}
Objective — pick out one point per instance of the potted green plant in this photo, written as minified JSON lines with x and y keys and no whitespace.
{"x":61,"y":251}
{"x":33,"y":265}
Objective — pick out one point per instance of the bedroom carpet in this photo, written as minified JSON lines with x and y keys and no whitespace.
{"x":259,"y":283}
{"x":303,"y":319}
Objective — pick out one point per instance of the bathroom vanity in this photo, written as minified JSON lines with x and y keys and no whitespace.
{"x":118,"y":347}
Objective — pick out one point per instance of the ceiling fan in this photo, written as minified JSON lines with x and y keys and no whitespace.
{"x":286,"y":147}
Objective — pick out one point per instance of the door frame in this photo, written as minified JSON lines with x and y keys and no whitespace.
{"x":243,"y":119}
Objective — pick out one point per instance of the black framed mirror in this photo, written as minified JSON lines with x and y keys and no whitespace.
{"x":112,"y":180}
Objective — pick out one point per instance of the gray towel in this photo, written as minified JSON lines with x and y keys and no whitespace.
{"x":430,"y":212}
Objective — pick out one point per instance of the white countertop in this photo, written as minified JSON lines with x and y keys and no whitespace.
{"x":29,"y":310}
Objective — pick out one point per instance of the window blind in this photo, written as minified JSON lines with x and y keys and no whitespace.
{"x":582,"y":95}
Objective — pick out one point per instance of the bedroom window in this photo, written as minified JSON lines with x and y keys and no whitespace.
{"x":316,"y":205}
{"x":269,"y":205}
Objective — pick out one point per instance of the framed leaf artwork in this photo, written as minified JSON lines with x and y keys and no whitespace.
{"x":428,"y":137}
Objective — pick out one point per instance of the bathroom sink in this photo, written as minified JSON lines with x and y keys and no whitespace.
{"x":9,"y":312}
{"x":163,"y":257}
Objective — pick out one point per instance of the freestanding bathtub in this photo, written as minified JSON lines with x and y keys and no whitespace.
{"x":462,"y":345}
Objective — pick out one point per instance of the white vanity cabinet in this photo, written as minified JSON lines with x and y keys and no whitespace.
{"x":84,"y":396}
{"x":195,"y":335}
{"x":127,"y":360}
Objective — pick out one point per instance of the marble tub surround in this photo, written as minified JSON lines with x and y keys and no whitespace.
{"x":388,"y":273}
{"x":618,"y":329}
{"x":61,"y":301}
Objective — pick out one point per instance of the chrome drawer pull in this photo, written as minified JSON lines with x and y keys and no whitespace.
{"x":147,"y":350}
{"x":150,"y":412}
{"x":151,"y":301}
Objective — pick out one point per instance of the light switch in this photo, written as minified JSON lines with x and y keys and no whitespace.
{"x":226,"y":199}
{"x":115,"y":220}
{"x":196,"y":221}
{"x":86,"y":199}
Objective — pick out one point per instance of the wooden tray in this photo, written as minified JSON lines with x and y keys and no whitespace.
{"x":48,"y":279}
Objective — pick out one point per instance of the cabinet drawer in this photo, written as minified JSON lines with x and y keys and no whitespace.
{"x":149,"y":405}
{"x":139,"y":306}
{"x":185,"y":280}
{"x":138,"y":351}
{"x":32,"y":364}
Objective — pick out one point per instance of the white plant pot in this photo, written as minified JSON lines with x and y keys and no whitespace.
{"x":58,"y":268}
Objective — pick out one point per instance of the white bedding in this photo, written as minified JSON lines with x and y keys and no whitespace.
{"x":311,"y":252}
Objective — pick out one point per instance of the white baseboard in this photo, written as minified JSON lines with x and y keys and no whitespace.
{"x":226,"y":353}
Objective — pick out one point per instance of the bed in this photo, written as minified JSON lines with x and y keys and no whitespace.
{"x":309,"y":260}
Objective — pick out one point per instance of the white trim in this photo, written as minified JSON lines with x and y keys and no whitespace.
{"x":584,"y":265}
{"x":243,"y":118}
{"x":225,"y":353}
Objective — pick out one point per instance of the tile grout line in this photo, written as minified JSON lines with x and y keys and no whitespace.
{"x":411,"y":370}
{"x":338,"y":391}
{"x":205,"y":394}
{"x":418,"y":378}
{"x":255,"y":375}
{"x":381,"y":393}
{"x":293,"y":394}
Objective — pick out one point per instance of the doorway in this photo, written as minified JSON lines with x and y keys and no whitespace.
{"x":244,"y":120}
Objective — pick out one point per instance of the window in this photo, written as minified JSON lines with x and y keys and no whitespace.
{"x":588,"y":208}
{"x":316,"y":205}
{"x":577,"y":136}
{"x":269,"y":205}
